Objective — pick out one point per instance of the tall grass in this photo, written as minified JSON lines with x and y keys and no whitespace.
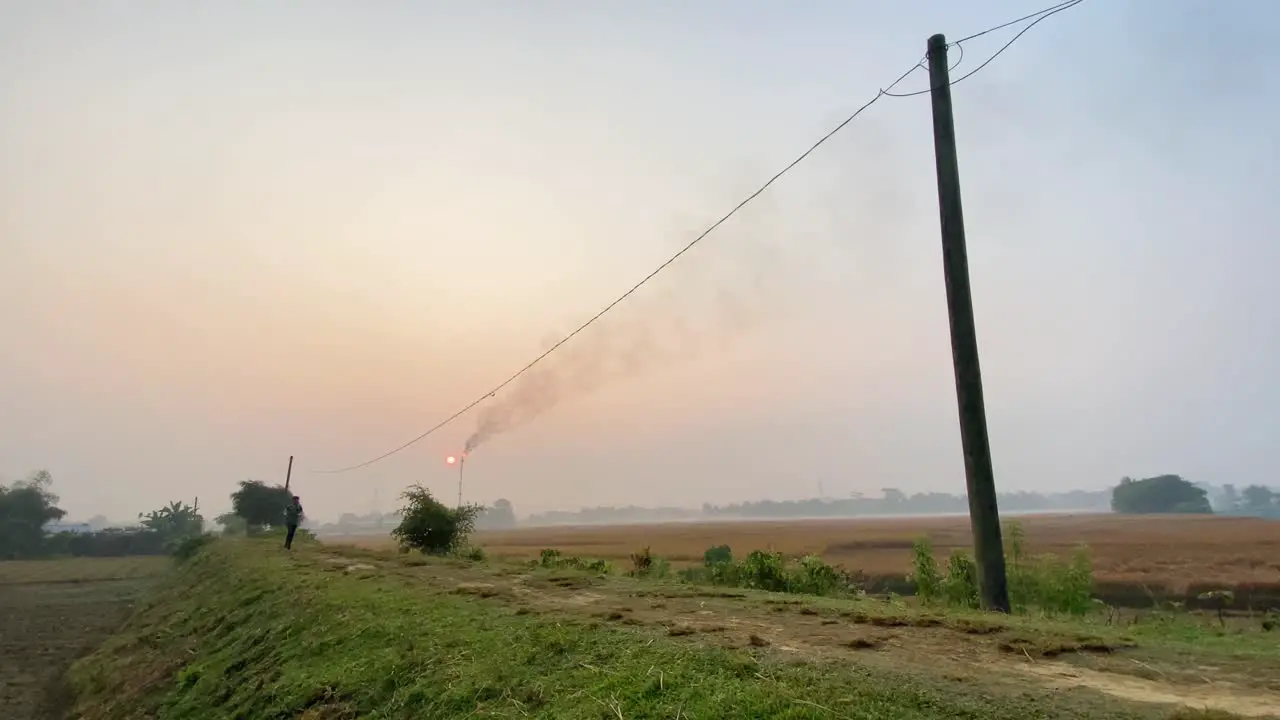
{"x":1044,"y":583}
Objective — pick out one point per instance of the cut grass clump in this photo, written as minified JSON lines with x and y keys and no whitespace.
{"x":1052,"y":646}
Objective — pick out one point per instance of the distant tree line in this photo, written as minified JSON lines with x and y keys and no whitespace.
{"x":892,"y":502}
{"x":29,"y":509}
{"x":895,"y":502}
{"x":1254,"y":500}
{"x":1175,"y":494}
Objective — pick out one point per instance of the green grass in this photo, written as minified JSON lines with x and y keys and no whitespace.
{"x":246,"y":630}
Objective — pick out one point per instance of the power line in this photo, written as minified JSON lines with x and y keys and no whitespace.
{"x":1045,"y":12}
{"x":879,"y":94}
{"x":1039,"y":17}
{"x":883,"y":92}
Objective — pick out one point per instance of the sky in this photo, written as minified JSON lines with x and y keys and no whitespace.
{"x":234,"y":232}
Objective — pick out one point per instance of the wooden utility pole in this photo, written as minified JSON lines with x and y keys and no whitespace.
{"x":984,"y":515}
{"x":288,"y":474}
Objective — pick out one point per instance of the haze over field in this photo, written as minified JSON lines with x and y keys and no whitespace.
{"x":232,"y":232}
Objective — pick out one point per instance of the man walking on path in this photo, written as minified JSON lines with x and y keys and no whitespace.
{"x":292,"y":514}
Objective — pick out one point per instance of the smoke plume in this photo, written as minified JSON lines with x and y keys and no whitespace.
{"x":695,"y":311}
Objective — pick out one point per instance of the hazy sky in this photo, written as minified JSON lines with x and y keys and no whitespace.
{"x":235,"y":231}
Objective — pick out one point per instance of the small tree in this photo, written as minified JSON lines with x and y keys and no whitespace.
{"x":260,"y":505}
{"x":430,"y":527}
{"x":25,"y":508}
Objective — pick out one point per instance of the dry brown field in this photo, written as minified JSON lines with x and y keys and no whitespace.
{"x":53,"y":611}
{"x":1172,"y":552}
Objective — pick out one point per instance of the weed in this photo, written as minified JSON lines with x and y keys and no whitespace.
{"x":925,"y":575}
{"x":1047,"y":583}
{"x":960,"y":586}
{"x":641,"y":561}
{"x":815,"y":577}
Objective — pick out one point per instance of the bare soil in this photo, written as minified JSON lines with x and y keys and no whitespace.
{"x":50,"y":615}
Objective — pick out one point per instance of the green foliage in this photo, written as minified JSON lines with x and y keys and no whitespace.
{"x":717,"y":555}
{"x":25,"y":508}
{"x":925,"y":574}
{"x":191,"y":546}
{"x":1160,"y":494}
{"x":112,"y":542}
{"x":28,"y":506}
{"x":430,"y":527}
{"x":1066,"y":587}
{"x":960,"y":586}
{"x":1046,"y":583}
{"x":813,"y":576}
{"x":174,"y":522}
{"x":763,"y":570}
{"x":260,"y":505}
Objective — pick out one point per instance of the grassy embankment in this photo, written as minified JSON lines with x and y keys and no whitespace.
{"x":244,"y":630}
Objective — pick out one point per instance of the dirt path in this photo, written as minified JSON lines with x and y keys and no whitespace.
{"x":958,"y":649}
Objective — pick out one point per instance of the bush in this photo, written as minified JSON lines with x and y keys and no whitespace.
{"x":925,"y":575}
{"x":762,"y":570}
{"x":717,"y":555}
{"x":190,"y":547}
{"x":813,"y":576}
{"x":428,"y":526}
{"x":960,"y":587}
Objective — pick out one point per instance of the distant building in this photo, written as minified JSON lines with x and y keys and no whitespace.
{"x":54,"y":528}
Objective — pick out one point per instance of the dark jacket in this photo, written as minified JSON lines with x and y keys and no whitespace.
{"x":292,"y":513}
